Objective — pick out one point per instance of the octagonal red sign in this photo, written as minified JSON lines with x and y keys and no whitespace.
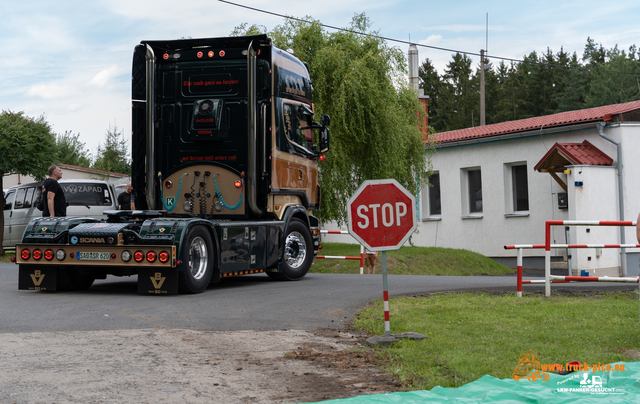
{"x":382,"y":215}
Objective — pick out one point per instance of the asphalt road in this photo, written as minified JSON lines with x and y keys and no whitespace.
{"x":251,"y":302}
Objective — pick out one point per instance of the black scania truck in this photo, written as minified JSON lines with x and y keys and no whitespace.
{"x":224,"y":171}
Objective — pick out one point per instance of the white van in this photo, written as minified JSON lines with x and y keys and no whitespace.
{"x":85,"y":198}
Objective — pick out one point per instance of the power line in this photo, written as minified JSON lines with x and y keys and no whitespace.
{"x":421,"y":45}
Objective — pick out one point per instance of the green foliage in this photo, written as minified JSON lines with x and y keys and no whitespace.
{"x":72,"y":151}
{"x":26,"y":146}
{"x":361,"y":83}
{"x":474,"y":334}
{"x":113,"y":155}
{"x":543,"y":84}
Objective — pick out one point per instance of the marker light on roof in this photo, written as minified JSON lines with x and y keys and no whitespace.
{"x":165,"y":56}
{"x":199,"y":55}
{"x":211,"y":54}
{"x":222,"y":53}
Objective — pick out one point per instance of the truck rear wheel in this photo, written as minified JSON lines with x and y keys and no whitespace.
{"x":72,"y":279}
{"x":297,"y":254}
{"x":197,"y":261}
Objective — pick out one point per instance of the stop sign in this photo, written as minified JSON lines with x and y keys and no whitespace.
{"x":382,"y":215}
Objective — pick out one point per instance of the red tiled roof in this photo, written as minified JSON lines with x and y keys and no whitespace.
{"x":548,"y":121}
{"x":574,"y":154}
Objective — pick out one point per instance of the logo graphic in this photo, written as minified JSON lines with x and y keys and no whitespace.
{"x":74,"y":240}
{"x":528,"y":367}
{"x":158,"y":280}
{"x":37,"y":277}
{"x":170,"y":200}
{"x":92,"y":240}
{"x":595,"y":381}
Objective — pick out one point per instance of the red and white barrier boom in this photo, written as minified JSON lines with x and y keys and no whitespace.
{"x":548,"y":278}
{"x":341,"y":257}
{"x":557,"y":279}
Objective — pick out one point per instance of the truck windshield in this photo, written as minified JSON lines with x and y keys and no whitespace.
{"x":78,"y":193}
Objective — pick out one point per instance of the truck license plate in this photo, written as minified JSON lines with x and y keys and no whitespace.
{"x":93,"y":256}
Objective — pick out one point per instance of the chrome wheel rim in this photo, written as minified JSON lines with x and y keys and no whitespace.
{"x":198,"y":258}
{"x":295,"y":249}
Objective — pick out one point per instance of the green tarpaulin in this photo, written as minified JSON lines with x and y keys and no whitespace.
{"x":577,"y":387}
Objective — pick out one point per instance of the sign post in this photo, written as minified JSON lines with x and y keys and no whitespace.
{"x":382,"y":216}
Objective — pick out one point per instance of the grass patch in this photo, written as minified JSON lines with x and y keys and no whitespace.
{"x":411,"y":261}
{"x":8,"y":254}
{"x":473,"y":334}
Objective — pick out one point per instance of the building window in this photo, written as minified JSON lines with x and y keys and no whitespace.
{"x":520,"y":188}
{"x":434,"y":194}
{"x":474,"y":182}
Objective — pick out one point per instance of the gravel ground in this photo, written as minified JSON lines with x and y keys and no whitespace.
{"x":186,"y":366}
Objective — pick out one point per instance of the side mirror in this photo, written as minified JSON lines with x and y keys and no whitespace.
{"x":324,"y":140}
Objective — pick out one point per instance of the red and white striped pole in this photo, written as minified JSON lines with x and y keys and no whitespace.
{"x":519,"y":264}
{"x":385,"y":294}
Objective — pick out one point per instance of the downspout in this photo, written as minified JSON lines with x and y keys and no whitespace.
{"x":623,"y":251}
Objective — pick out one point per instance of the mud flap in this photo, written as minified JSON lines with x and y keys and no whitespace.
{"x":158,"y":282}
{"x":37,"y":277}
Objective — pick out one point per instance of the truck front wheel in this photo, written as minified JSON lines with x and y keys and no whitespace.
{"x":197,"y":261}
{"x":297,"y":254}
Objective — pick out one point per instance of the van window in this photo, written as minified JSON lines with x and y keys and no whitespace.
{"x":29,"y":200}
{"x":86,"y":194}
{"x":19,"y":202}
{"x":8,"y":200}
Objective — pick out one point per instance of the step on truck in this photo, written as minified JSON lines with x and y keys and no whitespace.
{"x":225,"y":154}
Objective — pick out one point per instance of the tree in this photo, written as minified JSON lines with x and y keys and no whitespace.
{"x":460,"y":95}
{"x":610,"y":86}
{"x":113,"y":155}
{"x":432,"y":84}
{"x":70,"y":150}
{"x":376,"y":123}
{"x":26,"y":147}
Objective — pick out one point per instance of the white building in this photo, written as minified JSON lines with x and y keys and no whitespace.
{"x":496,"y":185}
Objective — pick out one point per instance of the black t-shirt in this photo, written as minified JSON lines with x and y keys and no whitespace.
{"x":59,"y":201}
{"x":124,"y":200}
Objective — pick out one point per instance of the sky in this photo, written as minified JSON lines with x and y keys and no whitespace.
{"x":70,"y":61}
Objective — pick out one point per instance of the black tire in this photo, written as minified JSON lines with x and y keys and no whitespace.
{"x":72,"y":279}
{"x":297,"y":252}
{"x":197,"y":261}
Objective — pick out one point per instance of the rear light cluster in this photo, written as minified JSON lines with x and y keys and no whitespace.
{"x":38,"y":254}
{"x":138,"y":256}
{"x":150,"y":256}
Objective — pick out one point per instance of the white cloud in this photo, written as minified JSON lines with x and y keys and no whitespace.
{"x":432,"y":40}
{"x":103,"y":77}
{"x":51,"y":91}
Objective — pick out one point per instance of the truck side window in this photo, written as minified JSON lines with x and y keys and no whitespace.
{"x":297,"y":130}
{"x":8,"y":200}
{"x":19,"y":202}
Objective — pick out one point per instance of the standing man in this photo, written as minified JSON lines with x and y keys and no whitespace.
{"x":125,"y":201}
{"x":55,"y":204}
{"x":370,"y":261}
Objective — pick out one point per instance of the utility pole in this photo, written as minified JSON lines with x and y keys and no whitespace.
{"x":482,"y":117}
